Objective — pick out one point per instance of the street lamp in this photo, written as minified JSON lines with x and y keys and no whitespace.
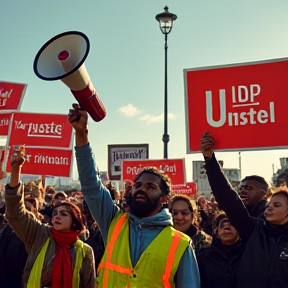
{"x":165,"y":20}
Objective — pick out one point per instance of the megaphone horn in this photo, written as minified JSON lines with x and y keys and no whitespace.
{"x":62,"y":58}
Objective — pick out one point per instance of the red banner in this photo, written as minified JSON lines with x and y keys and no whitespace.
{"x":4,"y":123}
{"x":40,"y":130}
{"x":11,"y":95}
{"x":174,"y":168}
{"x":238,"y":104}
{"x":48,"y":162}
{"x":188,"y":190}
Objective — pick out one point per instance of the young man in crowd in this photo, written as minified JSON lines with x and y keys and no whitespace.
{"x":252,"y":191}
{"x":142,"y":248}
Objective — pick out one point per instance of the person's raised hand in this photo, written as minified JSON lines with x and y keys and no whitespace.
{"x":206,"y":145}
{"x":78,"y":118}
{"x":18,"y":158}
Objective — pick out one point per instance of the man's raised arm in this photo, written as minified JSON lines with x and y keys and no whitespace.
{"x":95,"y":194}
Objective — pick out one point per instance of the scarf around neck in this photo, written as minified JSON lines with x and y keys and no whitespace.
{"x":62,"y":271}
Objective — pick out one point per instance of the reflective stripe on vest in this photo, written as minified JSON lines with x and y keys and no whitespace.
{"x":171,"y":256}
{"x":175,"y":241}
{"x":108,"y":265}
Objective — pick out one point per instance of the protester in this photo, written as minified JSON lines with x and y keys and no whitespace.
{"x":264,"y":260}
{"x":138,"y":243}
{"x":59,"y":197}
{"x":218,"y":264}
{"x":206,"y":214}
{"x":13,"y":255}
{"x":95,"y":239}
{"x":184,"y":213}
{"x":253,"y":191}
{"x":56,"y":258}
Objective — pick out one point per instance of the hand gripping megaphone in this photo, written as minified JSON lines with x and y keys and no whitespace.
{"x":62,"y":58}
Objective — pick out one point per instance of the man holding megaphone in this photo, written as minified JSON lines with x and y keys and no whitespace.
{"x":62,"y":58}
{"x":164,"y":258}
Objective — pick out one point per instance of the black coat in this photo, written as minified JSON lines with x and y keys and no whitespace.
{"x":264,"y":261}
{"x":218,"y":264}
{"x":258,"y":209}
{"x":13,"y":257}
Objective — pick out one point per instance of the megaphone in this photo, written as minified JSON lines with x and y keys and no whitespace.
{"x":62,"y":58}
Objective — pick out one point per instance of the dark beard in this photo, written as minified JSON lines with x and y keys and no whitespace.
{"x":142,"y":208}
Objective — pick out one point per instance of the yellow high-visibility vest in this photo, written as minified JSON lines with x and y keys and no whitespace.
{"x":34,"y":280}
{"x":156,"y":266}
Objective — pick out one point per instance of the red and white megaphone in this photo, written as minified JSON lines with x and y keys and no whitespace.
{"x":62,"y":58}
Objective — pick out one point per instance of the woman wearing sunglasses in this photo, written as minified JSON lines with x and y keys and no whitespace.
{"x":56,"y":257}
{"x":219,"y":263}
{"x":184,"y":214}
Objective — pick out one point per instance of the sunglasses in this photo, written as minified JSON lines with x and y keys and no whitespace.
{"x":222,"y":222}
{"x":183,"y":212}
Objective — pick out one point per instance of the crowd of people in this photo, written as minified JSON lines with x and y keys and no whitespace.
{"x":98,"y":237}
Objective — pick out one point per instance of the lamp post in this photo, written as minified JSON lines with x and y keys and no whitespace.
{"x":165,"y":20}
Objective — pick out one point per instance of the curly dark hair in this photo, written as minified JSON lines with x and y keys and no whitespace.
{"x":76,"y":214}
{"x":165,"y":184}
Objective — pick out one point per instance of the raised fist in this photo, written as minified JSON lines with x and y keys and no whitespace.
{"x":207,"y":144}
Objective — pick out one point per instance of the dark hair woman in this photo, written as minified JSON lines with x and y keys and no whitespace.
{"x":184,"y":213}
{"x":56,"y":257}
{"x":264,"y":260}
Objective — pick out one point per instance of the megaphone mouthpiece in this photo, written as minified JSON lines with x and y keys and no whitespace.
{"x":63,"y":55}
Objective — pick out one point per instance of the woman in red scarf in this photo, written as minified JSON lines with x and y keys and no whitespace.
{"x":56,"y":257}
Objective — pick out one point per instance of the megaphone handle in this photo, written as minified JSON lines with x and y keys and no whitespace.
{"x":89,"y":101}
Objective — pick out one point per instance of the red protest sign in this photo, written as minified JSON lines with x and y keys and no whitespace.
{"x":49,"y":162}
{"x":238,"y":104}
{"x":11,"y":95}
{"x":174,"y":168}
{"x":4,"y":123}
{"x":40,"y":130}
{"x":188,"y":190}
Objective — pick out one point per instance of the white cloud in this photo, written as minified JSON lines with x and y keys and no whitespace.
{"x":154,"y":119}
{"x":129,"y":110}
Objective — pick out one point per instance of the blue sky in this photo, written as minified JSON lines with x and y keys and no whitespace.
{"x":126,"y":63}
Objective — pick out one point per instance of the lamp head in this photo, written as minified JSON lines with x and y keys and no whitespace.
{"x":166,"y":20}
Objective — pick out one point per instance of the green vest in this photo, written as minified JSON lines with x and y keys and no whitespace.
{"x":34,"y":280}
{"x":156,"y":266}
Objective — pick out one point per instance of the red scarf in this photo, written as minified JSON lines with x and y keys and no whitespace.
{"x":62,"y":271}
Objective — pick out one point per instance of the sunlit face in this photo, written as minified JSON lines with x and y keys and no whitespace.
{"x":182,"y":216}
{"x":227,"y":234}
{"x":250,"y":192}
{"x":146,"y":197}
{"x":62,"y":219}
{"x":277,"y":210}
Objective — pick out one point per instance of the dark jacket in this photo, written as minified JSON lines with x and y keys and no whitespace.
{"x":218,"y":264}
{"x":264,"y":261}
{"x":257,"y":210}
{"x":34,"y":234}
{"x":198,"y":237}
{"x":13,"y":258}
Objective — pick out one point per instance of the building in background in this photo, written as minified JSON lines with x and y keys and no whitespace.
{"x":280,"y":177}
{"x":201,"y":179}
